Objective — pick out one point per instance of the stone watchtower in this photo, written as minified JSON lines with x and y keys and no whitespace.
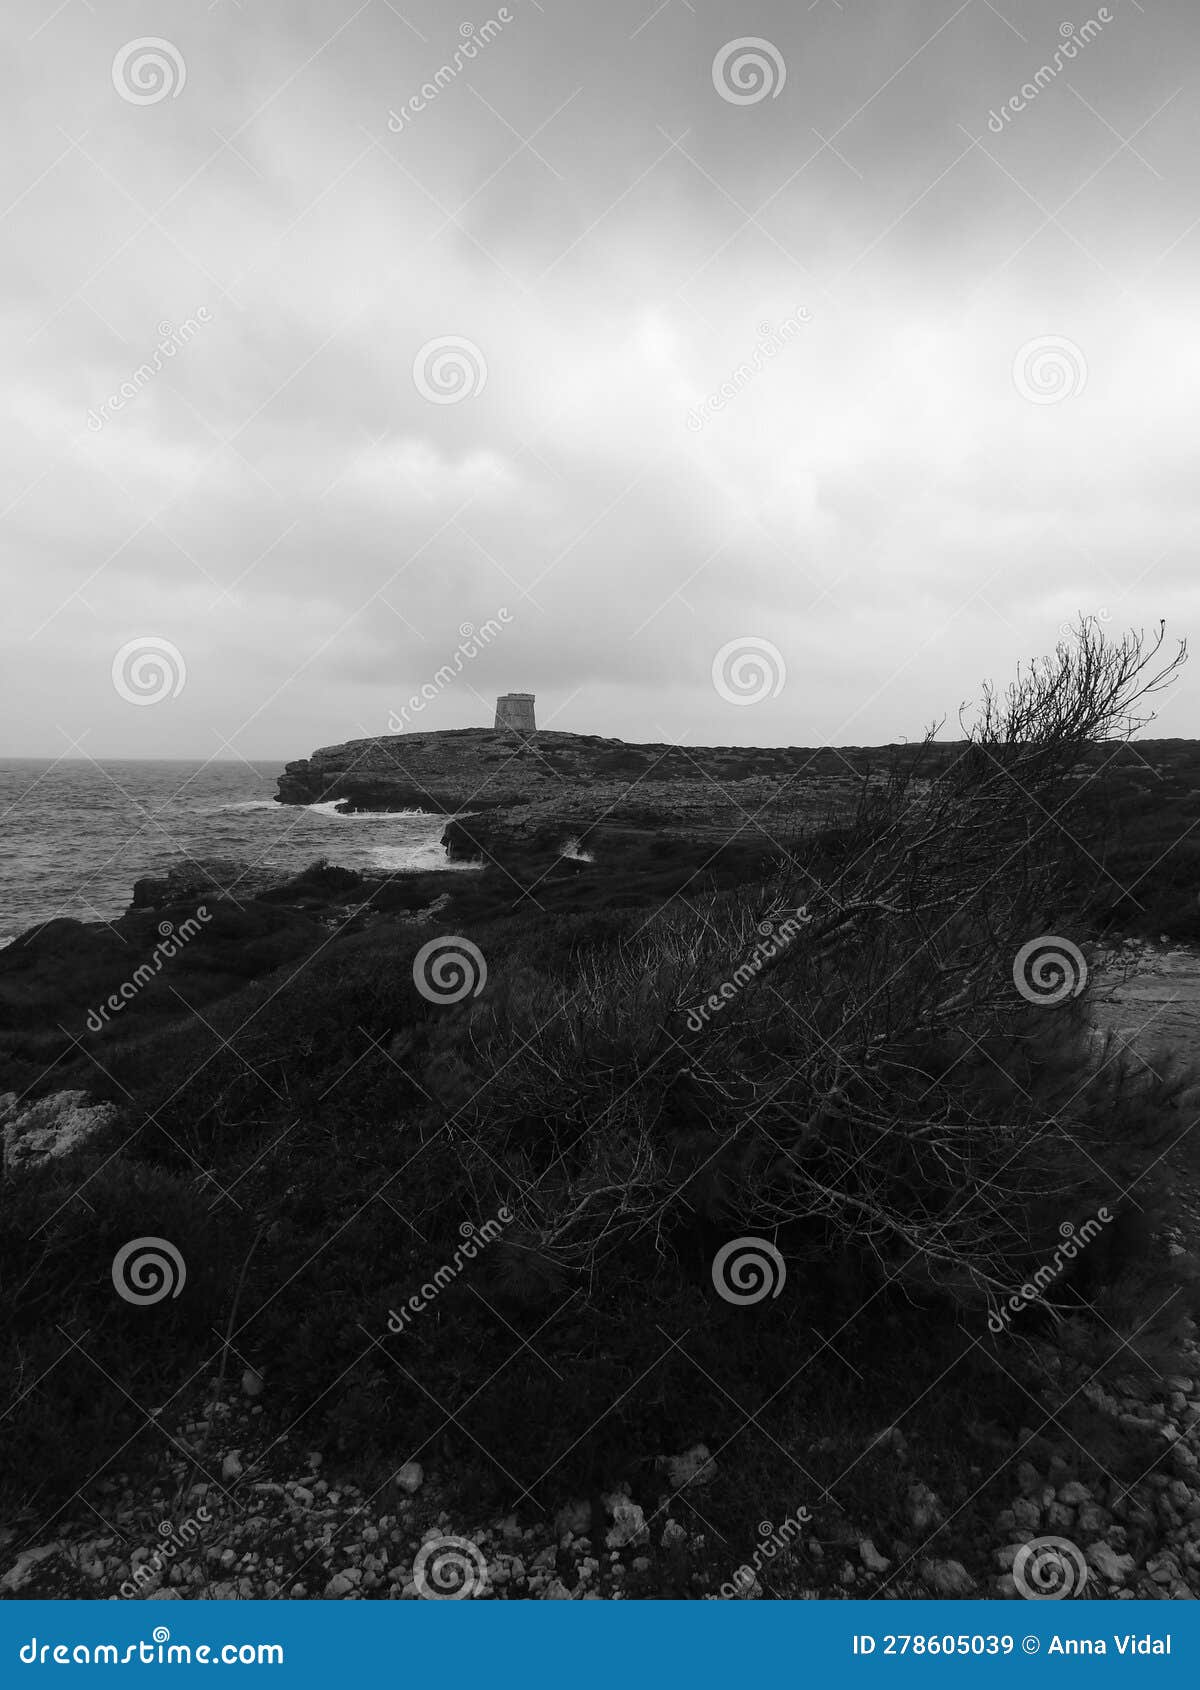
{"x":514,"y":712}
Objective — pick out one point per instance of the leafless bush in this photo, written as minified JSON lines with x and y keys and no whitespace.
{"x":879,"y":1086}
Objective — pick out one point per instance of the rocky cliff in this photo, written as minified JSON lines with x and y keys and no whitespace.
{"x":574,"y":783}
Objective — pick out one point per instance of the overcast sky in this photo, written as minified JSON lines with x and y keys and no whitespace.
{"x":606,"y":210}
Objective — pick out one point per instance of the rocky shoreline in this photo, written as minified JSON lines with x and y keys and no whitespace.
{"x":503,"y":789}
{"x":359,"y":1060}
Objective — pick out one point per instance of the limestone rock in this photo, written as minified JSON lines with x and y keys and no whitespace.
{"x":1113,"y":1568}
{"x":573,"y":1519}
{"x":629,"y":1521}
{"x":924,"y":1507}
{"x":50,"y":1127}
{"x":694,"y":1467}
{"x":410,"y":1477}
{"x":948,"y":1578}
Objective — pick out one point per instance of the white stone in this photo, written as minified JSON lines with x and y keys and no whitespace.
{"x":410,"y":1477}
{"x":694,"y":1467}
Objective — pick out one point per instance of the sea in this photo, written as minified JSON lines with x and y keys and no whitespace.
{"x":76,"y":834}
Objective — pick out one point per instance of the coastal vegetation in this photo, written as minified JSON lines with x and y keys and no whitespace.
{"x":889,"y":1089}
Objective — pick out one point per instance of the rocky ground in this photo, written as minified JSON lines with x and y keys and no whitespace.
{"x":240,"y":1511}
{"x":271,"y":1521}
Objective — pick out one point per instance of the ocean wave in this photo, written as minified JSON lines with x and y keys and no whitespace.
{"x":330,"y":808}
{"x":413,"y":858}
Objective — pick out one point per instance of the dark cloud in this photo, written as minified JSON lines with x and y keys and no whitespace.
{"x":884,"y":491}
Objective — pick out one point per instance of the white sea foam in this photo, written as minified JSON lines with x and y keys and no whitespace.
{"x":416,"y":856}
{"x":330,"y":808}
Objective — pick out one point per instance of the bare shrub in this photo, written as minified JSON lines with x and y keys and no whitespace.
{"x":877,"y":1089}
